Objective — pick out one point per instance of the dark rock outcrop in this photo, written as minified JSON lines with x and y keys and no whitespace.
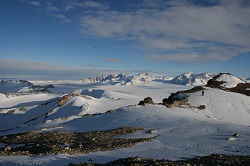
{"x":201,"y":107}
{"x":213,"y":159}
{"x":177,"y":99}
{"x":193,"y":90}
{"x":33,"y":143}
{"x":147,"y":100}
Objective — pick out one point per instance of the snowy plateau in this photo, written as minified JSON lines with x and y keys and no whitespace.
{"x":107,"y":103}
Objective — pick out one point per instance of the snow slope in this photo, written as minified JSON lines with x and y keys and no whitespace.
{"x":181,"y":132}
{"x":67,"y":107}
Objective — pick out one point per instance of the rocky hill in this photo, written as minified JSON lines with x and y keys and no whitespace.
{"x":229,"y":82}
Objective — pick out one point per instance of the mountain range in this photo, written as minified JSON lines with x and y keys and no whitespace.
{"x":145,"y":78}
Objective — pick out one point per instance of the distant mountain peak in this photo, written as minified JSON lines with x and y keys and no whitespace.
{"x":124,"y":79}
{"x":145,"y":78}
{"x":192,"y":78}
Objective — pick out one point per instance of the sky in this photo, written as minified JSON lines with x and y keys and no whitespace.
{"x":73,"y":39}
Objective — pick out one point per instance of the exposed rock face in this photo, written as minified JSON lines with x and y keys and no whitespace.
{"x":202,"y":107}
{"x":7,"y":148}
{"x":176,"y":100}
{"x":193,"y":90}
{"x":180,"y":98}
{"x":147,"y":100}
{"x":242,"y":88}
{"x":65,"y":98}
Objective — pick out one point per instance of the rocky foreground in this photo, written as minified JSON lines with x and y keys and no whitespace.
{"x":212,"y":160}
{"x":33,"y":143}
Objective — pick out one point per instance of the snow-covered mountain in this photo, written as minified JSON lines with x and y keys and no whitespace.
{"x":123,"y":79}
{"x":110,"y":78}
{"x":145,"y":78}
{"x":22,"y":86}
{"x":142,"y":78}
{"x":228,"y":80}
{"x":192,"y":78}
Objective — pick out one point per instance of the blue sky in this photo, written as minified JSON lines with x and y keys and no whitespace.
{"x":72,"y":39}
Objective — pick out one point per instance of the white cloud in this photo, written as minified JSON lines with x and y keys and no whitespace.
{"x":93,"y":4}
{"x":93,"y":66}
{"x":23,"y":69}
{"x":197,"y":33}
{"x":34,"y":3}
{"x":189,"y":57}
{"x":113,"y":60}
{"x":61,"y":17}
{"x":38,"y":70}
{"x":190,"y":31}
{"x":49,"y":7}
{"x":69,"y":5}
{"x":90,"y":66}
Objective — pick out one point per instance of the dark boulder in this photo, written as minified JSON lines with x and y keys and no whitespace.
{"x":201,"y":107}
{"x":147,"y":100}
